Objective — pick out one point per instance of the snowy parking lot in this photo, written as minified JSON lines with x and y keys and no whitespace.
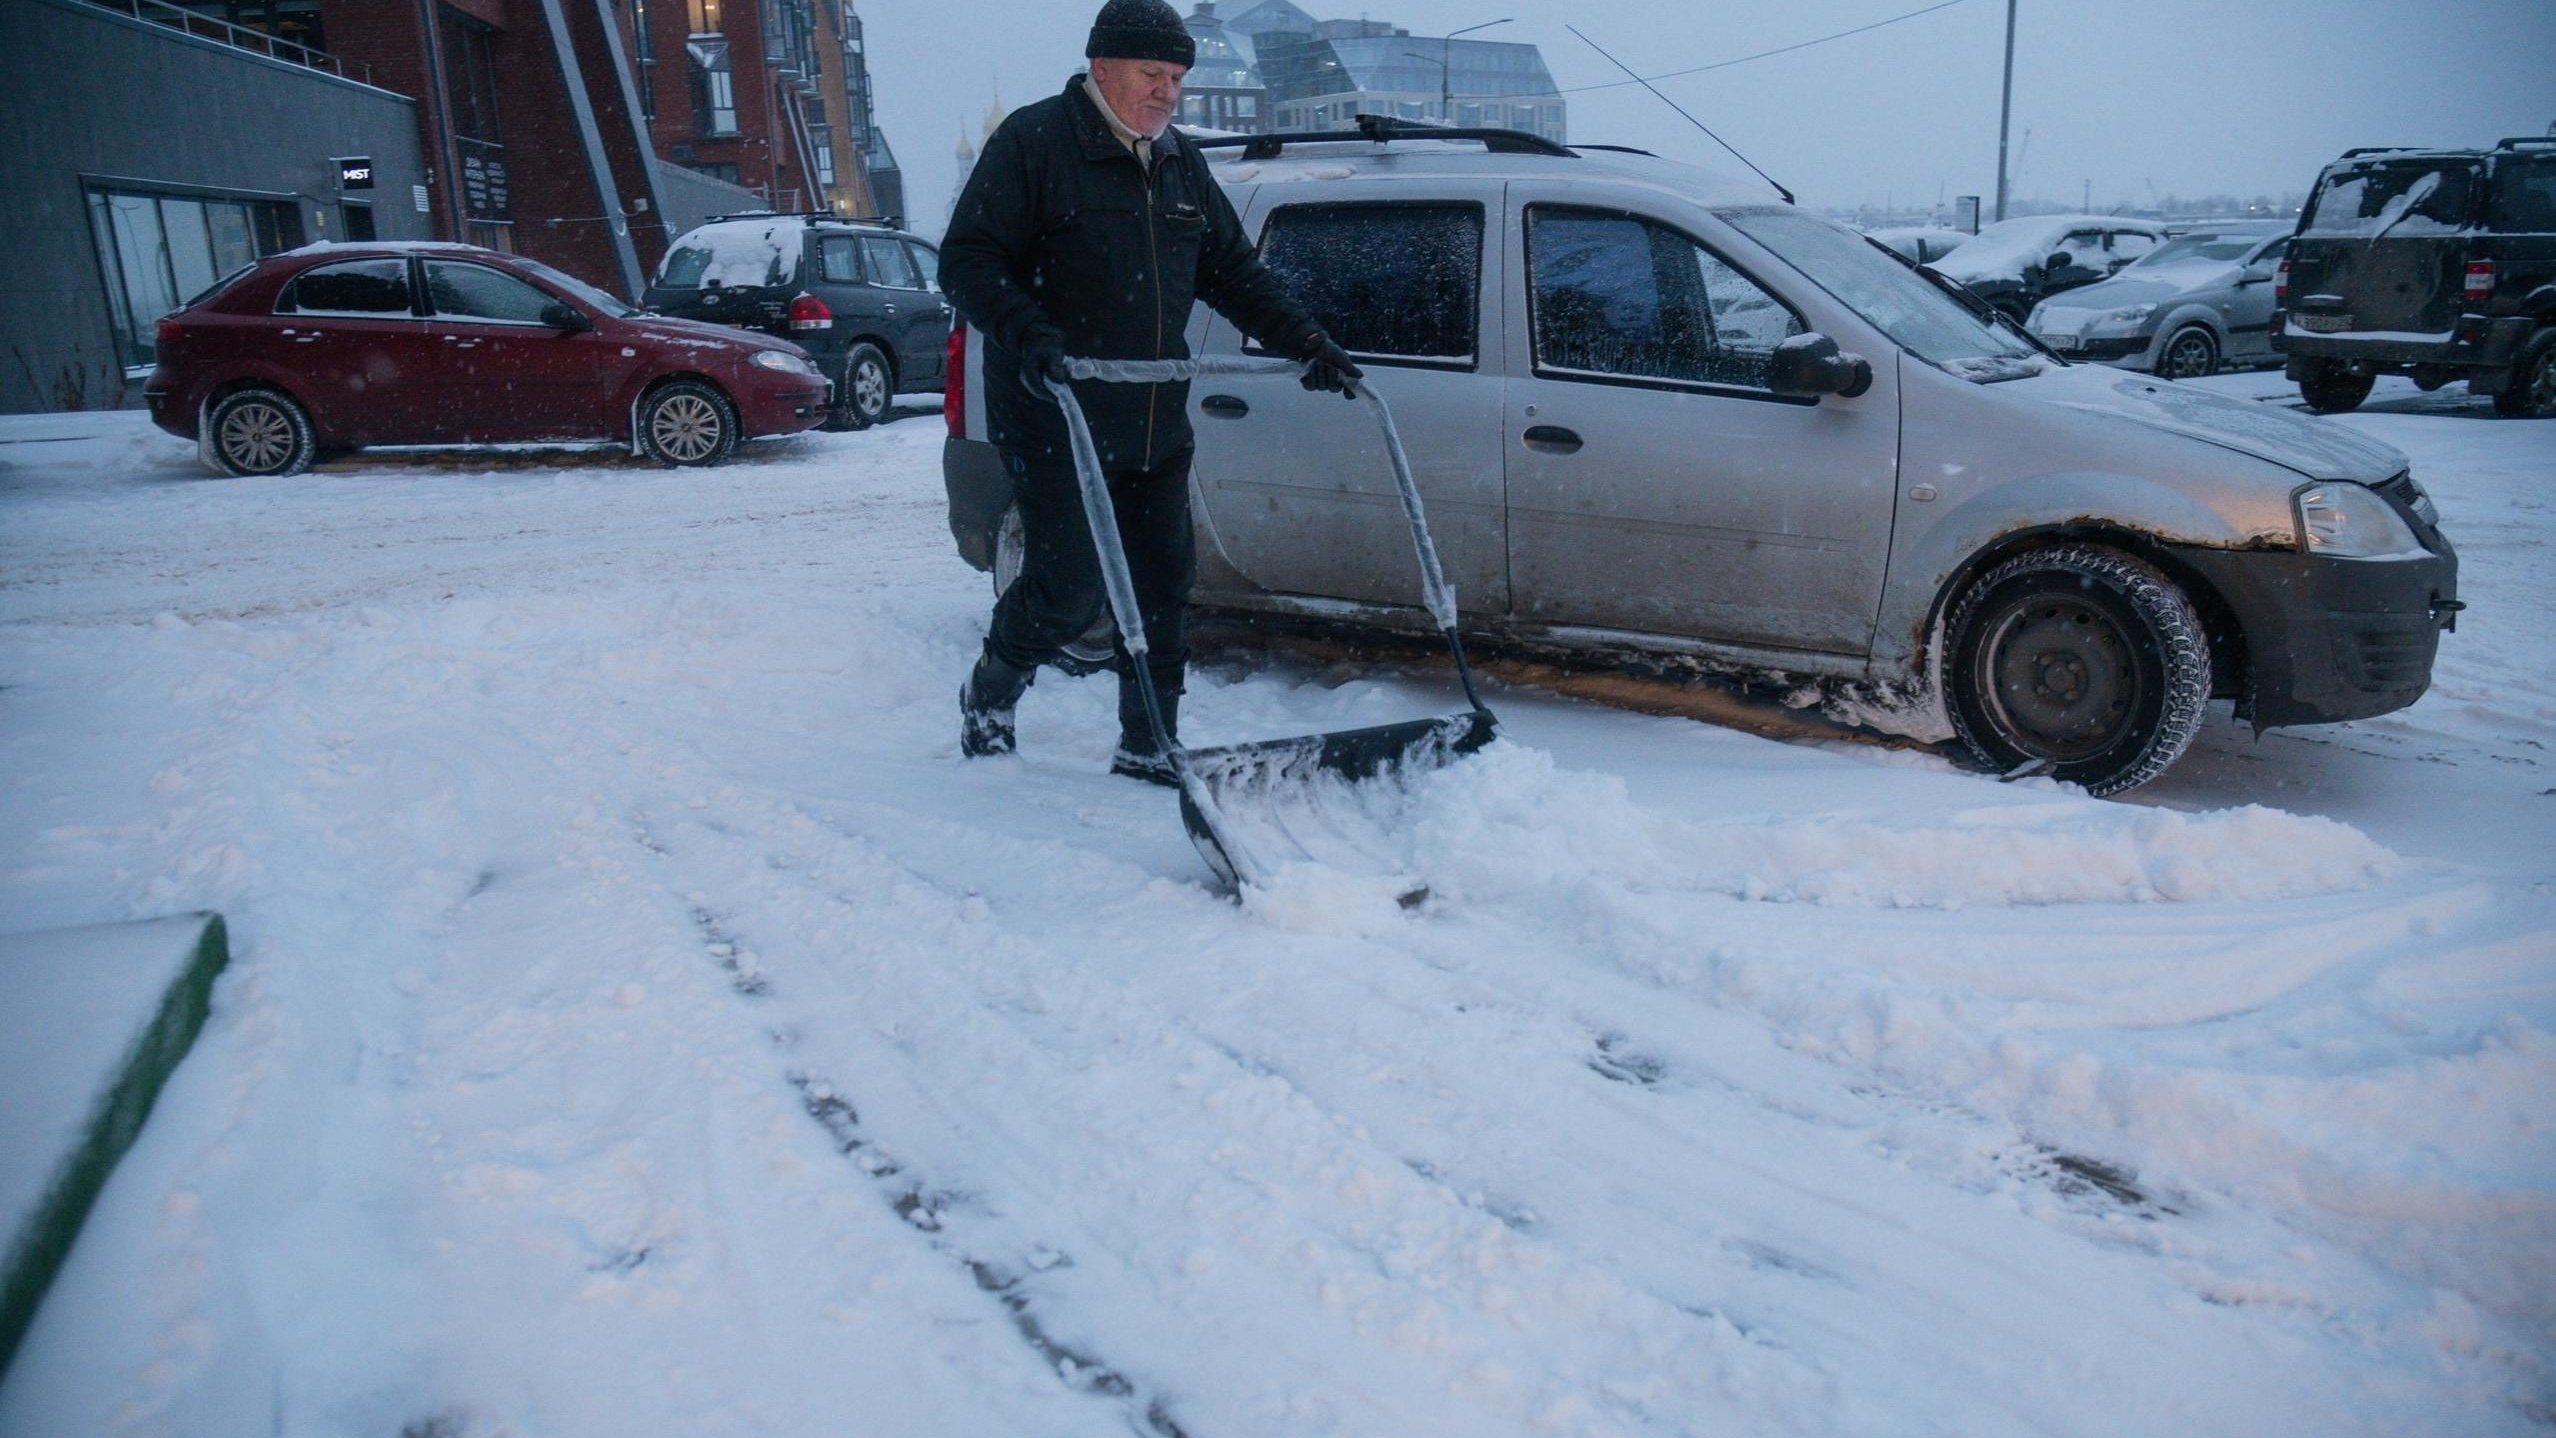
{"x":643,"y":1022}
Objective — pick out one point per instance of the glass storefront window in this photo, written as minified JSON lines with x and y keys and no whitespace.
{"x":158,"y":252}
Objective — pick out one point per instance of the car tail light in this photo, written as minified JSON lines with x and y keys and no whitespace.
{"x":2281,"y":284}
{"x":807,"y":312}
{"x":2480,"y":281}
{"x":954,"y":384}
{"x":164,"y":332}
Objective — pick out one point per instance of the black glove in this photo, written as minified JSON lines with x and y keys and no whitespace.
{"x":1328,"y":366}
{"x":1042,"y":355}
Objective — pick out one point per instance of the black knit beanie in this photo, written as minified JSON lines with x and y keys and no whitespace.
{"x":1141,"y":30}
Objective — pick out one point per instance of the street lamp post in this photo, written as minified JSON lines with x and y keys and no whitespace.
{"x":1446,"y":88}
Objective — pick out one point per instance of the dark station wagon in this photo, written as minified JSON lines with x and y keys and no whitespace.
{"x":862,"y":296}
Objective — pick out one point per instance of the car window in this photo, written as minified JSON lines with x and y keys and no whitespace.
{"x":839,"y":260}
{"x":2400,"y":199}
{"x":2084,"y":249}
{"x":2525,"y":197}
{"x":2131,"y":244}
{"x":1619,"y":296}
{"x":1892,"y":297}
{"x":928,"y":261}
{"x":569,"y":284}
{"x":2227,"y":249}
{"x":683,"y":267}
{"x":350,"y":287}
{"x":460,"y":291}
{"x":888,"y":264}
{"x":1388,"y":281}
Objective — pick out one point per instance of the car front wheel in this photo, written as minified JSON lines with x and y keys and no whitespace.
{"x":866,"y":392}
{"x":2330,"y":387}
{"x":2085,"y":661}
{"x":1097,"y":647}
{"x":2532,"y":391}
{"x":687,"y":423}
{"x":2192,"y":353}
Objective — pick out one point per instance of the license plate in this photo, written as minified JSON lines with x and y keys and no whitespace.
{"x":2322,"y":324}
{"x":2063,"y":343}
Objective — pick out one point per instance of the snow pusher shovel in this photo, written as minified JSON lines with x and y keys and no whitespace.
{"x":1251,"y":808}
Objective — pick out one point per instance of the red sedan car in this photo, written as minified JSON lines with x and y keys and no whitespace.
{"x":333,"y":347}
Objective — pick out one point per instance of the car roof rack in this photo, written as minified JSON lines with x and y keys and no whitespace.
{"x":1618,"y":149}
{"x":1384,"y":128}
{"x":2518,"y":141}
{"x":2380,"y":150}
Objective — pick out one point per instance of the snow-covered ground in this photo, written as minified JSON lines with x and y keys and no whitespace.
{"x":643,"y":1022}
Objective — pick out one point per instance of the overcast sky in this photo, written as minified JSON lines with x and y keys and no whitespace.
{"x":2196,"y":97}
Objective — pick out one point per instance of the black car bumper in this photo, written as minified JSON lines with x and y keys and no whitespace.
{"x":2477,"y":343}
{"x":2333,"y":639}
{"x":980,"y":490}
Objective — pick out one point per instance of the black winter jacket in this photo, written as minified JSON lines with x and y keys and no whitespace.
{"x":1059,"y":225}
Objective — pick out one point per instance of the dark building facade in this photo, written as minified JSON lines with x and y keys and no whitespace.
{"x":156,"y":145}
{"x":145,"y":162}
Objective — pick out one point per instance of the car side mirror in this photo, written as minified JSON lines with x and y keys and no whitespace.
{"x":1811,"y":365}
{"x":561,"y":315}
{"x":2057,"y":261}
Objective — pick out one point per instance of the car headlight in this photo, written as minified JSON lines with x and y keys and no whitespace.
{"x":2347,"y":521}
{"x":780,"y":360}
{"x":2130,"y":315}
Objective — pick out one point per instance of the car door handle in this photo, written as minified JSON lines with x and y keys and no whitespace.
{"x":457,"y":342}
{"x":1224,"y":406}
{"x":1552,"y":439}
{"x":891,"y":308}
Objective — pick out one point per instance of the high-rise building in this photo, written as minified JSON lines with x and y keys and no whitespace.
{"x":1323,"y":74}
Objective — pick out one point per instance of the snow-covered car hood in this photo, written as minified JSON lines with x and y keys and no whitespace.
{"x":2151,"y":286}
{"x":698,"y":333}
{"x":2317,"y":448}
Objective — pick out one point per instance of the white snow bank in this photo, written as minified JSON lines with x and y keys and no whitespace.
{"x":1511,"y":821}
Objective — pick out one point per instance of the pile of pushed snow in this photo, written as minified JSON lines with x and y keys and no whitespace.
{"x":1512,"y":819}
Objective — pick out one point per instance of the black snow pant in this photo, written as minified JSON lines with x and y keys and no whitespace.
{"x":1060,"y":594}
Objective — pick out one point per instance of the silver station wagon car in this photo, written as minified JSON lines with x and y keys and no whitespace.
{"x":1659,"y":417}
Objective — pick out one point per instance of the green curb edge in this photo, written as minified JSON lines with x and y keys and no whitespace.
{"x":39,"y":1250}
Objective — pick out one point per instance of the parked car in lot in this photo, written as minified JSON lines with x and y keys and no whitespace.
{"x":2016,"y":264}
{"x":338,"y":346}
{"x":2438,"y":264}
{"x":2192,"y":304}
{"x":861,"y":296}
{"x":1923,"y":244}
{"x":1657,"y":415}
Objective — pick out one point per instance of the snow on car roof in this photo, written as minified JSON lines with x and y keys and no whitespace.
{"x":322,"y":247}
{"x":753,"y":250}
{"x":2007,"y":246}
{"x":1354,"y":157}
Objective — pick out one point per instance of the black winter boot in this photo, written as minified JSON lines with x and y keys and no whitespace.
{"x":1138,"y":756}
{"x":985,"y":706}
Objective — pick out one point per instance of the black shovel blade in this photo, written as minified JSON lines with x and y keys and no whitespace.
{"x":1222,"y":790}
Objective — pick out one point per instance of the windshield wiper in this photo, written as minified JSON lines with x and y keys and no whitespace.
{"x":1980,"y":309}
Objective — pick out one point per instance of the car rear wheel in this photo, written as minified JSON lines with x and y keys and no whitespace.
{"x":867,"y":390}
{"x":258,"y":432}
{"x":2532,"y":391}
{"x":2330,"y":387}
{"x":687,"y":423}
{"x":2084,"y":660}
{"x":2192,"y":353}
{"x":1097,"y":647}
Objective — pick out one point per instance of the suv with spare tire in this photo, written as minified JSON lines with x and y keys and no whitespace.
{"x":1667,"y":421}
{"x":862,"y":297}
{"x":2436,"y":264}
